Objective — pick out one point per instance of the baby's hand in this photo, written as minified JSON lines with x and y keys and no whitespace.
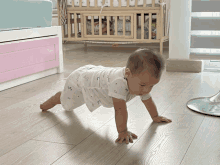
{"x":126,"y":135}
{"x":160,"y":119}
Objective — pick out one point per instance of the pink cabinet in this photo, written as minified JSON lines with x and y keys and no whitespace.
{"x":28,"y":57}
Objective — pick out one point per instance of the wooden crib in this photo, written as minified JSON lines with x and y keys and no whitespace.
{"x":77,"y":26}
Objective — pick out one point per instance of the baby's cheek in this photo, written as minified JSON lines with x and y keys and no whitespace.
{"x":137,"y":88}
{"x":134,"y":87}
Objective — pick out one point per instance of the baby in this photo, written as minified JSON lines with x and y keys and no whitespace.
{"x":113,"y":87}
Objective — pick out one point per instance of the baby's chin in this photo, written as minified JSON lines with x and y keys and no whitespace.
{"x":134,"y":93}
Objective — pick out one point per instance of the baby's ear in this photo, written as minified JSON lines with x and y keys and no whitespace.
{"x":127,"y":72}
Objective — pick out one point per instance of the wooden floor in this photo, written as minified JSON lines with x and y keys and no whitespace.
{"x":30,"y":137}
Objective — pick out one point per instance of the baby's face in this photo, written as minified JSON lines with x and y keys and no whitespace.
{"x":140,"y":84}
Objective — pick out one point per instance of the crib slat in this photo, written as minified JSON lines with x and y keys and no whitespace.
{"x":63,"y":29}
{"x":103,"y":2}
{"x":158,"y":25}
{"x":132,"y":27}
{"x":82,"y":26}
{"x":162,"y":20}
{"x":95,"y":3}
{"x":128,"y":3}
{"x":111,"y":3}
{"x":75,"y":25}
{"x":73,"y":4}
{"x":135,"y":26}
{"x":153,"y":3}
{"x":144,"y":5}
{"x":116,"y":26}
{"x":119,"y":3}
{"x":69,"y":25}
{"x":142,"y":26}
{"x":136,"y":3}
{"x":100,"y":25}
{"x":80,"y":3}
{"x":124,"y":26}
{"x":150,"y":29}
{"x":108,"y":29}
{"x":85,"y":26}
{"x":92,"y":24}
{"x":88,"y":5}
{"x":58,"y":11}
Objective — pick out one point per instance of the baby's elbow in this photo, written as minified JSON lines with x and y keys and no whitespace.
{"x":119,"y":104}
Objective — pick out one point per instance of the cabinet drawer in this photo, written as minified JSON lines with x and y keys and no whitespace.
{"x":28,"y":57}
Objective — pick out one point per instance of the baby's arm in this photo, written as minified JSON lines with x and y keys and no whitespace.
{"x":121,"y":116}
{"x":151,"y":107}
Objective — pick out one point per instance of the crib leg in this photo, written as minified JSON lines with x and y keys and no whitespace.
{"x":161,"y":47}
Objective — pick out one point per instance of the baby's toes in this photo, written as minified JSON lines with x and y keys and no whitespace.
{"x":43,"y":107}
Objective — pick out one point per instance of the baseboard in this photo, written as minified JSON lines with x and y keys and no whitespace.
{"x":26,"y":79}
{"x":179,"y":65}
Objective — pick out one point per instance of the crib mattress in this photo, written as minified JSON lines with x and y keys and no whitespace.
{"x":17,"y":14}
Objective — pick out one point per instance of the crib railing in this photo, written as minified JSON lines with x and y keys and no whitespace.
{"x":79,"y":17}
{"x":119,"y":7}
{"x":72,"y":33}
{"x":111,"y":4}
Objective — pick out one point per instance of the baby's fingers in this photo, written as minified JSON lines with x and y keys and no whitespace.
{"x":117,"y":140}
{"x":127,"y":139}
{"x":166,"y":120}
{"x":134,"y":136}
{"x":121,"y":140}
{"x":131,"y":140}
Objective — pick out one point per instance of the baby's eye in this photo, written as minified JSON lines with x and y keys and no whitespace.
{"x":145,"y":85}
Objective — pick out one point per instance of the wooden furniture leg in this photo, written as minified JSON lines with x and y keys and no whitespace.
{"x":161,"y":46}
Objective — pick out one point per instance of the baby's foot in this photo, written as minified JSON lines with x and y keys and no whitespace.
{"x":47,"y":104}
{"x":51,"y":102}
{"x":43,"y":107}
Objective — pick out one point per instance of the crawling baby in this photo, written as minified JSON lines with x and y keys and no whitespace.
{"x":98,"y":86}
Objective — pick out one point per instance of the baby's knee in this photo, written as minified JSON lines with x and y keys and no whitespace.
{"x":56,"y":99}
{"x":58,"y":94}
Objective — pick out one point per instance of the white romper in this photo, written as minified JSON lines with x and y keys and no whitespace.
{"x":95,"y":86}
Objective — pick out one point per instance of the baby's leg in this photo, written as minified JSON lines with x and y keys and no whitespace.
{"x":51,"y":102}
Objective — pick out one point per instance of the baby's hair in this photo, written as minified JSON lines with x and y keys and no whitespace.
{"x":146,"y":59}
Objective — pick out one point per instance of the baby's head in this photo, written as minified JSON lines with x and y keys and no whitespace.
{"x":143,"y":71}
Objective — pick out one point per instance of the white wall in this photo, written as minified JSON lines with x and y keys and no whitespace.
{"x":180,"y":23}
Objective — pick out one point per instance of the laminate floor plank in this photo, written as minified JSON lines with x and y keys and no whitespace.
{"x":29,"y":136}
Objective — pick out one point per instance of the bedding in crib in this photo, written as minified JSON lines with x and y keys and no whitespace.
{"x":115,"y":2}
{"x":120,"y":28}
